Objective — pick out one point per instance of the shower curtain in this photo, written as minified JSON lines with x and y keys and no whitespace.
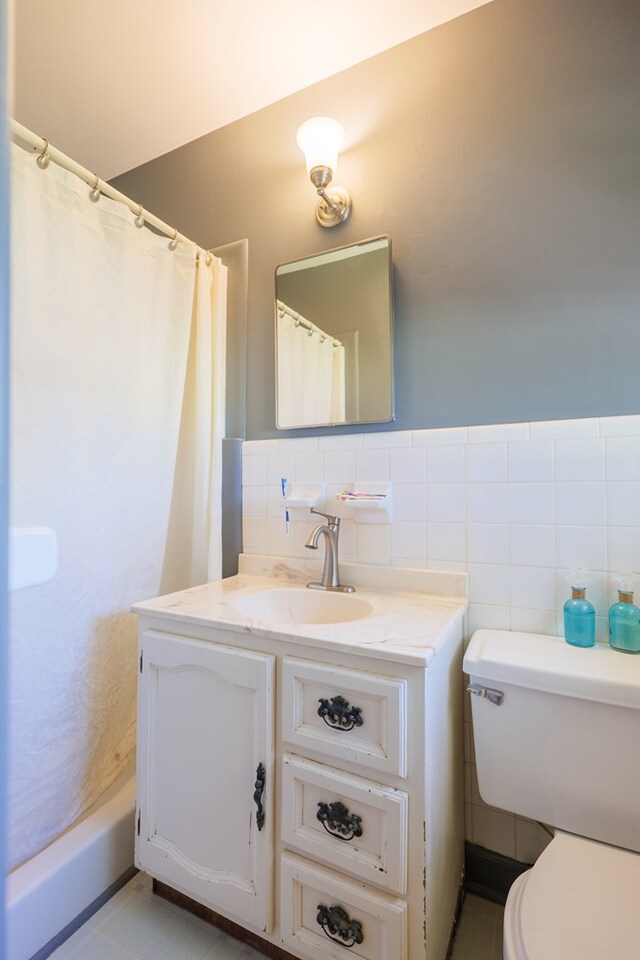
{"x":116,"y":425}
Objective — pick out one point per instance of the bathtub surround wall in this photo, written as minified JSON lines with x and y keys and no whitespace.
{"x":515,"y":505}
{"x":499,"y":153}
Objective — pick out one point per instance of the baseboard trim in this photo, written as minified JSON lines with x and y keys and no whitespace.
{"x":489,"y":874}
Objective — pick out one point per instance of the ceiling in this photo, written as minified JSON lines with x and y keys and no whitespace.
{"x":114,"y":83}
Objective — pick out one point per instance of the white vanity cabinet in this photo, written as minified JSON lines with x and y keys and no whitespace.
{"x":205,"y":772}
{"x":361,"y":848}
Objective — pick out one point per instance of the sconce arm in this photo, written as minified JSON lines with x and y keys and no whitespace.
{"x":332,"y":204}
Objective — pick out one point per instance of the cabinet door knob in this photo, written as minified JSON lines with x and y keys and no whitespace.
{"x":337,"y":713}
{"x":261,"y":777}
{"x":338,"y":926}
{"x":338,"y":822}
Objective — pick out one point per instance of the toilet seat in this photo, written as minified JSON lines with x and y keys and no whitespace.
{"x":578,"y":902}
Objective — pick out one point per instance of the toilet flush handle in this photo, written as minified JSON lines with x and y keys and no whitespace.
{"x":495,"y":696}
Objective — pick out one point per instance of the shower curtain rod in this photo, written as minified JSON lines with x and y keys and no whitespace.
{"x":38,"y":143}
{"x":303,"y":322}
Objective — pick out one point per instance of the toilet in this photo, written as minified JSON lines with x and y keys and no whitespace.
{"x":557,"y":739}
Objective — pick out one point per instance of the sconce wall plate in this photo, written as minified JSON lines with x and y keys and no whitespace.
{"x":333,"y":207}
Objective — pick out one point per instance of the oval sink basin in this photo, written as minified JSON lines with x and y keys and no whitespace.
{"x":300,"y":605}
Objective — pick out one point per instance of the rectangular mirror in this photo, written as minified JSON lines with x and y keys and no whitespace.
{"x":334,"y":337}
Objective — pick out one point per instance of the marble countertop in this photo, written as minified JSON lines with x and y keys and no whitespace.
{"x":406,"y":625}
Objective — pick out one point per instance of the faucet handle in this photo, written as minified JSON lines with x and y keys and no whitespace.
{"x":332,"y":521}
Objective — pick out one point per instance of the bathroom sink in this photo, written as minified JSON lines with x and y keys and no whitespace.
{"x":300,"y":605}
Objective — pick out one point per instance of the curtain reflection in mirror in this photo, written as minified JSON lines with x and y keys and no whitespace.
{"x":311,"y":372}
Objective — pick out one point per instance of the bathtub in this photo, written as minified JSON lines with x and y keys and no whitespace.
{"x":49,"y":892}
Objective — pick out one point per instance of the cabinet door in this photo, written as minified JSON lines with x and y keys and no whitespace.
{"x":205,"y":736}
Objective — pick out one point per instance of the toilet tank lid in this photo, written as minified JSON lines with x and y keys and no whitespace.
{"x":551,"y":665}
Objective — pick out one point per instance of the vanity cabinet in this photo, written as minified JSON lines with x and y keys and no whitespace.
{"x":205,"y":772}
{"x":354,"y":754}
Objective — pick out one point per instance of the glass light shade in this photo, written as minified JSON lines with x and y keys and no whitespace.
{"x":320,"y":140}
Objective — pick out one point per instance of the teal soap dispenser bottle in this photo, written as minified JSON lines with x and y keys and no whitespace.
{"x":579,"y":614}
{"x":624,"y":618}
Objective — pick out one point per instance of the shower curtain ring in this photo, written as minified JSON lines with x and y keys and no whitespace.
{"x":173,"y":243}
{"x":139,"y":220}
{"x":94,"y":193}
{"x":208,"y":258}
{"x":44,"y":159}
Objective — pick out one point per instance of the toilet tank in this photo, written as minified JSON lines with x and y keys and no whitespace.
{"x":563,"y":745}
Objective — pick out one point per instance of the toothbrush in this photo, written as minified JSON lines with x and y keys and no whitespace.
{"x":283,"y":488}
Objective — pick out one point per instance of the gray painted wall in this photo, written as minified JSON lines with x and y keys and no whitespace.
{"x":501,"y":153}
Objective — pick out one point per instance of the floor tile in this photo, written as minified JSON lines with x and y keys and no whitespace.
{"x":487,"y":909}
{"x":180,"y":940}
{"x":479,"y":932}
{"x":225,"y":950}
{"x":250,"y":954}
{"x":75,"y":940}
{"x":137,"y":925}
{"x":474,"y":938}
{"x":497,"y":945}
{"x":97,"y":948}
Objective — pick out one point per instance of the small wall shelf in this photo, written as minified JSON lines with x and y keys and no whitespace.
{"x":371,"y":502}
{"x":304,"y":495}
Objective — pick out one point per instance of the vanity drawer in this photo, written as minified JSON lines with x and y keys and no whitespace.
{"x":345,"y":714}
{"x":349,"y":823}
{"x":317,"y":906}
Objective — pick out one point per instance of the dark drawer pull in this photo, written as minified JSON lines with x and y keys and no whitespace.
{"x":337,"y":714}
{"x":261,"y":777}
{"x":338,"y":822}
{"x":338,"y":927}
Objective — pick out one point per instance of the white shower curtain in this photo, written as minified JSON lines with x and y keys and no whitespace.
{"x":193,"y":553}
{"x":104,"y":320}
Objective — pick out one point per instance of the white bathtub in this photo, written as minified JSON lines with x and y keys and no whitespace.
{"x":48,"y":892}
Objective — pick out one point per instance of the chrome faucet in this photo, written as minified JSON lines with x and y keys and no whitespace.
{"x":330,"y":574}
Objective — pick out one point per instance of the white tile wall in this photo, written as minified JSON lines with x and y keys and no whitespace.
{"x":516,"y":505}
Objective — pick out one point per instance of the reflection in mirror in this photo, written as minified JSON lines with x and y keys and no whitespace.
{"x":334,"y":337}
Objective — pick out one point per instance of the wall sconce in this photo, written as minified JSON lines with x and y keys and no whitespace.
{"x":320,"y":140}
